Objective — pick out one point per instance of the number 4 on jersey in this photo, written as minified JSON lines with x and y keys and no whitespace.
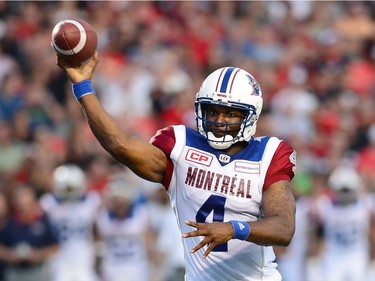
{"x":214,"y":204}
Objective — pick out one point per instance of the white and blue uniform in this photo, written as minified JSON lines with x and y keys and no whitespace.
{"x":207,"y":185}
{"x":345,"y":254}
{"x":125,"y":254}
{"x":73,"y":222}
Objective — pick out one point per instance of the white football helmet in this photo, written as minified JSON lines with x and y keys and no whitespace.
{"x":232,"y":87}
{"x":345,"y":178}
{"x":68,"y":182}
{"x":119,"y":186}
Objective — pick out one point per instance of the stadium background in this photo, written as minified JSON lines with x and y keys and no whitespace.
{"x":313,"y":59}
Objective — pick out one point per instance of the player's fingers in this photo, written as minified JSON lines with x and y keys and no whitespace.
{"x":200,"y":229}
{"x":210,"y":247}
{"x":199,"y":246}
{"x":60,"y":63}
{"x":192,"y":223}
{"x":194,"y":233}
{"x":68,"y":68}
{"x":89,"y":68}
{"x":93,"y":62}
{"x":96,"y":57}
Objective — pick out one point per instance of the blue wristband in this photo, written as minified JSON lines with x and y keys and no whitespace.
{"x":82,"y":88}
{"x":241,"y":229}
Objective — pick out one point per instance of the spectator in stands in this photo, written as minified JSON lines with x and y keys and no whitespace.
{"x":27,"y":239}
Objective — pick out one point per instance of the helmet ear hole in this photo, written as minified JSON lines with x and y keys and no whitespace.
{"x":253,"y":118}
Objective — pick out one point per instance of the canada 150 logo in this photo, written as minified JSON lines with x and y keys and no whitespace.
{"x":199,"y":157}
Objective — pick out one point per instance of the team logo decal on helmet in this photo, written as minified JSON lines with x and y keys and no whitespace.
{"x":235,"y":88}
{"x":255,"y":85}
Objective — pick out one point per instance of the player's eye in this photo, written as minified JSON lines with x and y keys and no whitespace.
{"x":212,"y":113}
{"x":235,"y":114}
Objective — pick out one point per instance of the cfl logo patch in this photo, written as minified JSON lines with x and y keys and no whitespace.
{"x":199,"y":157}
{"x":224,"y":158}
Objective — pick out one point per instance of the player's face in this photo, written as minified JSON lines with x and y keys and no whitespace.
{"x":119,"y":205}
{"x":346,"y":196}
{"x":223,"y":120}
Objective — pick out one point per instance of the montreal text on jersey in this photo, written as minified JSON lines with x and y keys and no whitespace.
{"x":207,"y":180}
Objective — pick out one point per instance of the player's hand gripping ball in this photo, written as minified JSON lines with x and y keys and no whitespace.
{"x":75,"y":39}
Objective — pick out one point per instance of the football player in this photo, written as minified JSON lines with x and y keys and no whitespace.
{"x":230,"y":191}
{"x":345,"y":217}
{"x":72,"y":211}
{"x":124,"y":228}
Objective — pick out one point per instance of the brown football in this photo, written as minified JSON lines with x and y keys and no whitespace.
{"x":75,"y":39}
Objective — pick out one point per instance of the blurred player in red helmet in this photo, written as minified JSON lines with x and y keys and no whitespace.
{"x":230,"y":191}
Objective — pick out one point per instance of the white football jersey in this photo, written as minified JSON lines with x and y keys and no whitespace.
{"x":208,"y":185}
{"x":125,"y":251}
{"x":345,"y":254}
{"x":73,"y":222}
{"x":346,"y":227}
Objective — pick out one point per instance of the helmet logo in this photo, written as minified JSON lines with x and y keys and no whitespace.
{"x":254,"y":84}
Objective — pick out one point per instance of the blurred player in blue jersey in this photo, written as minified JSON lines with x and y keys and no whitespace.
{"x":72,"y":211}
{"x":124,"y":228}
{"x":346,"y":218}
{"x":230,"y":191}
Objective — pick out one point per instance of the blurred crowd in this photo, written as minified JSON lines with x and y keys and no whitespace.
{"x":315,"y":62}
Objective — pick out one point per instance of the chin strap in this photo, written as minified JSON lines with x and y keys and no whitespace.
{"x":219,"y":143}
